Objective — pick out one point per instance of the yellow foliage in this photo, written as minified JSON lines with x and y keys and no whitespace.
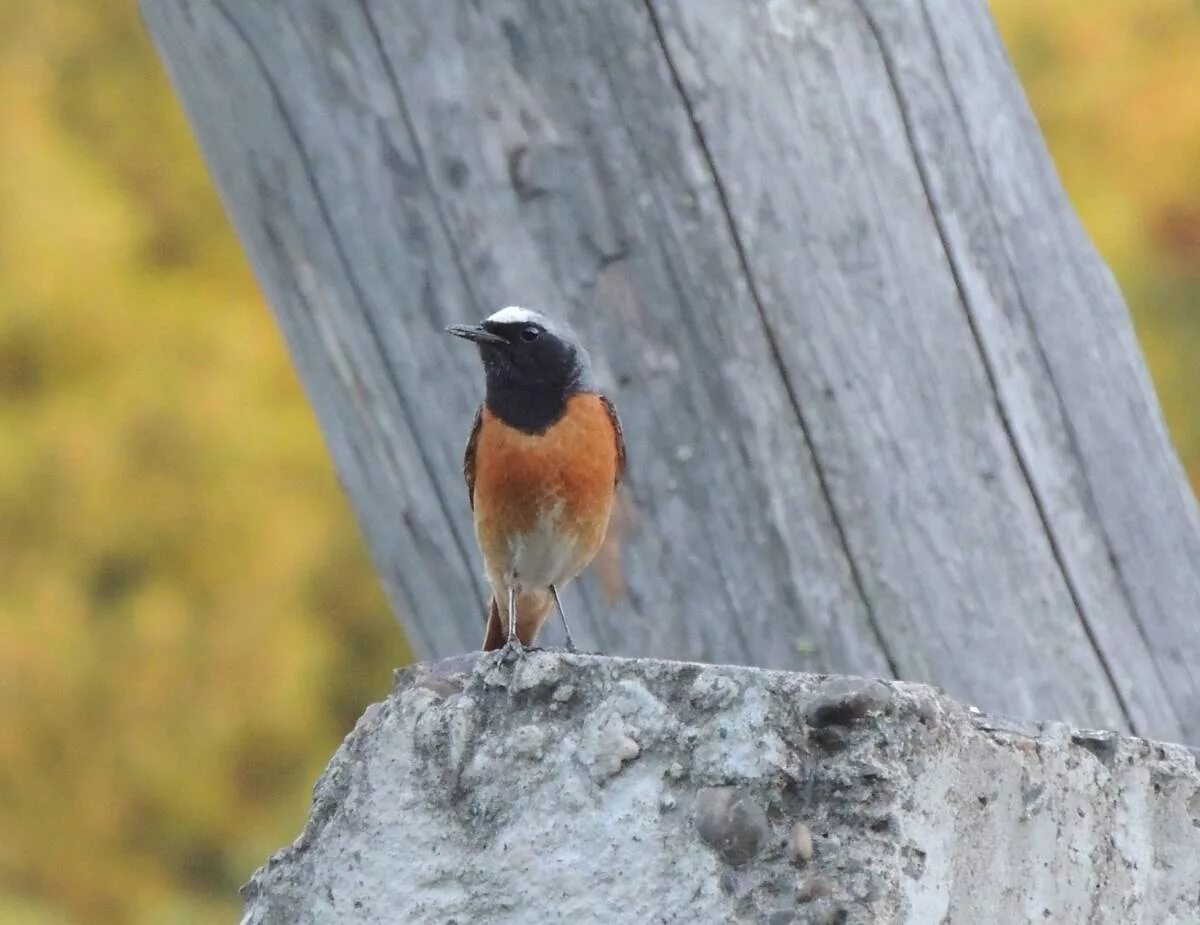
{"x":1113,"y":84}
{"x":188,"y":622}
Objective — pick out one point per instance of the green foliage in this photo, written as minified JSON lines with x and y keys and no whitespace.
{"x":188,"y":622}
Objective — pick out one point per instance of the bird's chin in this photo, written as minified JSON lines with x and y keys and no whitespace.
{"x":497,"y":361}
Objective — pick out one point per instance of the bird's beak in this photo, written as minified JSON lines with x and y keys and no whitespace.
{"x":476,"y":333}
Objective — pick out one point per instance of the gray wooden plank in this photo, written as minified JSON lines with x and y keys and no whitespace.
{"x":700,"y":512}
{"x":266,"y":178}
{"x":1135,"y":492}
{"x":1005,"y":327}
{"x":828,"y":303}
{"x":852,"y":272}
{"x":617,"y":236}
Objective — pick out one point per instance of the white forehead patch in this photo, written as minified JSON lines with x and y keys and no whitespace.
{"x":514,"y":314}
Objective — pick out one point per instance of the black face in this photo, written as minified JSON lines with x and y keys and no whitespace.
{"x":530,"y":371}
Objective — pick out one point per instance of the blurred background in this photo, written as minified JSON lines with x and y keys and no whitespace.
{"x":188,"y":619}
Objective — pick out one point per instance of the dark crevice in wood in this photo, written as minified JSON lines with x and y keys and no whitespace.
{"x":451,"y":245}
{"x":786,"y":85}
{"x":369,"y":325}
{"x":772,"y":341}
{"x":1089,"y":491}
{"x":666,"y":261}
{"x":422,"y":161}
{"x":417,"y":638}
{"x":906,"y":119}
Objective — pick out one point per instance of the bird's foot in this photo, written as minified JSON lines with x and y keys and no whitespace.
{"x":512,"y":651}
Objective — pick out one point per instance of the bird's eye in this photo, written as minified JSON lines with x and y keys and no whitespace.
{"x":530,"y":334}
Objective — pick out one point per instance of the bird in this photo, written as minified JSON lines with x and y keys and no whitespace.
{"x":542,"y":464}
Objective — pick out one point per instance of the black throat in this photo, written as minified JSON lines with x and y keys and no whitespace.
{"x":530,"y":379}
{"x":530,"y":408}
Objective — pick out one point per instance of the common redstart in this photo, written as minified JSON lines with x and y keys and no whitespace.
{"x":542,"y":466}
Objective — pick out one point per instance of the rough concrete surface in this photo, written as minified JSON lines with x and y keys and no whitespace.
{"x":581,"y":789}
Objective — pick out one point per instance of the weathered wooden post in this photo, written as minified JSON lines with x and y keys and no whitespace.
{"x":885,"y":409}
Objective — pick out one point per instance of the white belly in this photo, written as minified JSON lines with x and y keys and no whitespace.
{"x":549,"y":554}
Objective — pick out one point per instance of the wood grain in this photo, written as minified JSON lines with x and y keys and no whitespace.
{"x":886,"y":411}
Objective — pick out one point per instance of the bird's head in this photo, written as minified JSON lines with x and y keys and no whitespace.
{"x":531,"y":363}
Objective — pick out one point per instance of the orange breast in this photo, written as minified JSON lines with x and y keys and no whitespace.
{"x":567,"y":473}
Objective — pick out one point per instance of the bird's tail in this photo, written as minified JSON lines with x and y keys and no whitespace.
{"x":532,"y":609}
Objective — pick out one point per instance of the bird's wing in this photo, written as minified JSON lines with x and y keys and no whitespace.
{"x":620,"y":437}
{"x":469,"y":456}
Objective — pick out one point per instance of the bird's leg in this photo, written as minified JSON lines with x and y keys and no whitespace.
{"x":513,"y":648}
{"x":563,"y":616}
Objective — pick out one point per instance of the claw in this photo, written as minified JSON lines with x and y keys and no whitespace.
{"x":512,"y":651}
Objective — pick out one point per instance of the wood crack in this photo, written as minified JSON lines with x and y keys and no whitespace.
{"x":772,"y":342}
{"x":986,"y":361}
{"x":369,"y":324}
{"x":422,"y":161}
{"x":1089,"y":491}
